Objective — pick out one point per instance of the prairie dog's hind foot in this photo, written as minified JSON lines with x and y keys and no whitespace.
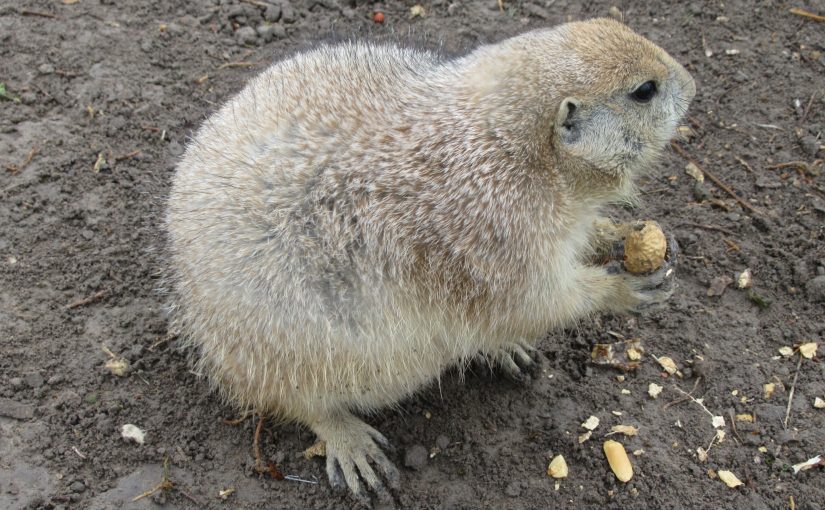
{"x":513,"y":358}
{"x":353,"y":449}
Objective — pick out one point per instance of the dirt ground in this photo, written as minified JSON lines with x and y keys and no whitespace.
{"x":100,"y":98}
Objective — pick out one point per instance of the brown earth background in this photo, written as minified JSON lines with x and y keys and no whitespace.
{"x":100,"y":98}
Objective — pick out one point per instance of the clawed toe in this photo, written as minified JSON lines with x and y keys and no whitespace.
{"x":514,"y":359}
{"x":354,"y":455}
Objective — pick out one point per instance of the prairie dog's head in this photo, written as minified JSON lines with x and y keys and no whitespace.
{"x":602,"y":100}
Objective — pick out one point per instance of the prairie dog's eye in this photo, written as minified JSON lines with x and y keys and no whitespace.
{"x":644,"y":92}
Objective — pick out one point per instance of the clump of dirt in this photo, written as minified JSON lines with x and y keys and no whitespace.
{"x":97,"y":100}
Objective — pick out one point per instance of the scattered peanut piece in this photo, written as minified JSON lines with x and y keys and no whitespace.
{"x":557,"y":467}
{"x":702,"y":453}
{"x":786,"y":351}
{"x":819,"y":403}
{"x":729,"y":479}
{"x":717,"y":422}
{"x":768,"y":389}
{"x":618,"y":460}
{"x":808,"y":464}
{"x":808,"y":350}
{"x":319,"y":449}
{"x":225,"y":493}
{"x":654,"y":390}
{"x":745,"y":417}
{"x":628,"y":430}
{"x":745,"y":279}
{"x":622,"y":355}
{"x":584,"y":437}
{"x":118,"y":366}
{"x":692,"y":170}
{"x":417,"y":11}
{"x":591,"y":423}
{"x":667,"y":364}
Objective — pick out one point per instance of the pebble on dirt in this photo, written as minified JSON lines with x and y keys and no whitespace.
{"x":13,"y":409}
{"x":246,"y":36}
{"x":816,"y":289}
{"x":416,"y":457}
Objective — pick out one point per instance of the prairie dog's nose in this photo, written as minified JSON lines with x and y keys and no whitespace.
{"x":685,"y":81}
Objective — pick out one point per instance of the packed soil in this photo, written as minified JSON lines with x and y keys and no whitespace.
{"x":100,"y":97}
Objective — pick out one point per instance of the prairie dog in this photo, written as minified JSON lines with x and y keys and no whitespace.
{"x":361,"y":217}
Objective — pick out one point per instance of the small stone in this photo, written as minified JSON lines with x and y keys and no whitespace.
{"x":55,"y":379}
{"x":718,"y":285}
{"x":615,"y":13}
{"x":246,"y":35}
{"x":700,"y":192}
{"x":513,"y":489}
{"x":46,"y":68}
{"x":801,"y":274}
{"x":13,"y":409}
{"x":270,"y":32}
{"x":767,"y":182}
{"x":272,"y":13}
{"x":78,"y":487}
{"x":176,"y":149}
{"x":288,"y":14}
{"x":442,"y":442}
{"x":16,"y":383}
{"x":536,"y":11}
{"x":810,"y":145}
{"x":416,"y":457}
{"x":816,"y":289}
{"x":33,"y":380}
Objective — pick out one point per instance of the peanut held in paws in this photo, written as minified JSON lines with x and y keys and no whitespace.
{"x":645,"y":248}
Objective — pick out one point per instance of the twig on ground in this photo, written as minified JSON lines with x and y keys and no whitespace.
{"x":13,"y":169}
{"x":807,"y":109}
{"x":237,"y":64}
{"x":694,"y":400}
{"x":790,"y":394}
{"x":37,"y":13}
{"x":684,"y":399}
{"x":97,"y":296}
{"x":806,"y":14}
{"x":716,"y":180}
{"x":744,"y":164}
{"x":706,"y":227}
{"x":168,"y":338}
{"x":237,"y":421}
{"x":260,"y":467}
{"x":165,"y":483}
{"x":130,"y":155}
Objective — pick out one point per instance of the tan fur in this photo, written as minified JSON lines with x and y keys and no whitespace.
{"x":361,"y":217}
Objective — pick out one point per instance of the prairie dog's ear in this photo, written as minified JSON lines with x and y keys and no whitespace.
{"x":568,"y":120}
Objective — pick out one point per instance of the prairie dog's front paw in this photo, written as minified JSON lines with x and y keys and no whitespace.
{"x":652,"y":290}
